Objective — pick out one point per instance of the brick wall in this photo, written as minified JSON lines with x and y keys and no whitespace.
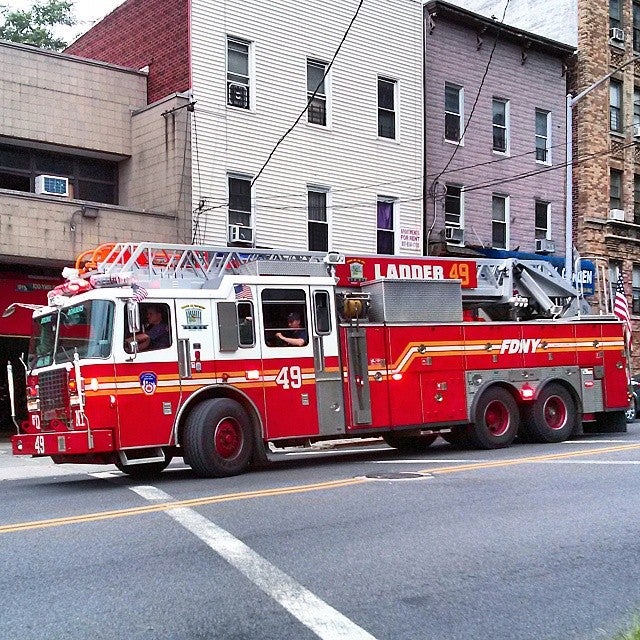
{"x":140,"y":33}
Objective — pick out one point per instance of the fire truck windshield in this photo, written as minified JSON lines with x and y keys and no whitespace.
{"x":85,"y":327}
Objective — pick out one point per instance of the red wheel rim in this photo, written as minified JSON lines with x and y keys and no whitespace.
{"x":497,"y":418}
{"x":555,"y":412}
{"x":227,"y":438}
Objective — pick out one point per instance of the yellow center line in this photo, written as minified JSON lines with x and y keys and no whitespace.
{"x":280,"y":491}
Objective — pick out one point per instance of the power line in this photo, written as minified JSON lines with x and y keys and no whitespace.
{"x":313,"y":95}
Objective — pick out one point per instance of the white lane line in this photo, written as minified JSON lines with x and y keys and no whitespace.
{"x":441,"y":461}
{"x":325,"y":621}
{"x":618,"y":441}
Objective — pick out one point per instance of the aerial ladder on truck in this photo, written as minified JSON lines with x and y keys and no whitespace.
{"x":387,"y":351}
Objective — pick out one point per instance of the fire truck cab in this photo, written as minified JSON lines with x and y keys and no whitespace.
{"x":247,"y":349}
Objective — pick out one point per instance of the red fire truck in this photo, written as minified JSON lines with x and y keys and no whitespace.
{"x":281,"y":348}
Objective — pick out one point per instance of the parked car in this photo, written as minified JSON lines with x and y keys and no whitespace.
{"x":634,"y":399}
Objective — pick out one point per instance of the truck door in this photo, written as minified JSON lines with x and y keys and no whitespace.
{"x":300,"y":362}
{"x":148,"y":384}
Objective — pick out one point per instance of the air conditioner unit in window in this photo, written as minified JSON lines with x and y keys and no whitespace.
{"x":636,"y":131}
{"x":238,"y":95}
{"x":52,"y":185}
{"x":617,"y":35}
{"x":454,"y":235}
{"x":616,"y":214}
{"x":240,"y":234}
{"x":545,"y":246}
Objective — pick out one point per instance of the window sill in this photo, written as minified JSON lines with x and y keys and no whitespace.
{"x":544,"y":164}
{"x":457,"y":143}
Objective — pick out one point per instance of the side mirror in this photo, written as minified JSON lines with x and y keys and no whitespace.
{"x":133,"y":317}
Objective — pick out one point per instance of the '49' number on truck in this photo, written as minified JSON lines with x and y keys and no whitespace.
{"x":39,"y":444}
{"x":289,"y":377}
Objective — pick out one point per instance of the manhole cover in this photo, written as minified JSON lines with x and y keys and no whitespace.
{"x":400,"y":475}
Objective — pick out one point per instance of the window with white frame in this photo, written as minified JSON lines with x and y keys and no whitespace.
{"x":387,"y":108}
{"x":635,"y":285}
{"x":615,"y":105}
{"x":454,"y":206}
{"x":501,"y":125}
{"x":317,"y":221}
{"x":615,"y":268}
{"x":239,"y":200}
{"x":453,"y":112}
{"x":615,"y":14}
{"x":543,"y":136}
{"x":316,"y":92}
{"x":238,"y":73}
{"x":499,"y":221}
{"x":386,"y":226}
{"x":542,"y":220}
{"x":615,"y":189}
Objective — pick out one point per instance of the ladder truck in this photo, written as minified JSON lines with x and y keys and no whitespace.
{"x":478,"y":351}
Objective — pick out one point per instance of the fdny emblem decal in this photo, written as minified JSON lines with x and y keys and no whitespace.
{"x":148,"y":382}
{"x":526,"y":345}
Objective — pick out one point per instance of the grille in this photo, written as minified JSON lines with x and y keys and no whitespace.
{"x":52,"y":386}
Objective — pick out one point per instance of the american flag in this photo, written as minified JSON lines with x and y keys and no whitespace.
{"x":139,"y":293}
{"x":621,"y":309}
{"x":243,"y":292}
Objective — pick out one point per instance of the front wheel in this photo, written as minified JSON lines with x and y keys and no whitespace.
{"x":552,"y":416}
{"x":497,"y":420}
{"x":217,"y":438}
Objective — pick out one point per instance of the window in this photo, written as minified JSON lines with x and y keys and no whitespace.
{"x":615,"y":268}
{"x":500,"y":221}
{"x":387,"y":108}
{"x":318,"y":224}
{"x":615,"y":105}
{"x":636,"y":25}
{"x":615,"y":16}
{"x":385,"y":234}
{"x":635,"y":287}
{"x":615,"y":189}
{"x":317,"y":110}
{"x":240,"y":201}
{"x":89,"y":179}
{"x":500,"y":125}
{"x":453,"y":112}
{"x":542,"y":220}
{"x":238,"y":75}
{"x":246,"y":332}
{"x":636,"y":111}
{"x":322,"y":307}
{"x":543,"y":142}
{"x":453,"y":206}
{"x":156,"y":333}
{"x":636,"y":198}
{"x":284,"y":313}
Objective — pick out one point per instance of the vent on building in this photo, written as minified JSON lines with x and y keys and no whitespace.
{"x":238,"y":95}
{"x":454,"y":235}
{"x":52,"y":185}
{"x":238,"y":233}
{"x":616,"y":214}
{"x":545,"y":246}
{"x":617,"y":35}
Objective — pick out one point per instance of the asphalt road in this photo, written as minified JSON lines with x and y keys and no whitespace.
{"x":533,"y":542}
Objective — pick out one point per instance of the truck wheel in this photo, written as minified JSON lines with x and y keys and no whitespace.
{"x":217,"y":438}
{"x":142,"y":471}
{"x":457,"y":438}
{"x":552,"y":416}
{"x":497,"y":420}
{"x":409,"y":444}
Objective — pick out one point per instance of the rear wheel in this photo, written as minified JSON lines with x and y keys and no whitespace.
{"x":552,"y":416}
{"x":217,"y":438}
{"x":497,"y":420}
{"x":409,"y":444}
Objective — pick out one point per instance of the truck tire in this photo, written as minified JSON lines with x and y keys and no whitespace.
{"x":552,"y":416}
{"x":142,"y":470}
{"x":497,"y":420}
{"x":457,"y":438}
{"x":409,"y":444}
{"x":217,"y":439}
